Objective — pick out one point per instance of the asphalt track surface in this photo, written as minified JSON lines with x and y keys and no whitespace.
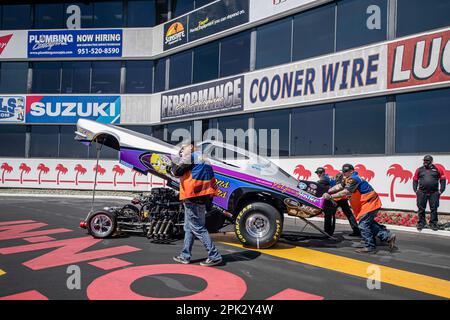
{"x":42,"y":250}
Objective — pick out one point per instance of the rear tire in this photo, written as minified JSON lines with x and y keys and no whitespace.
{"x":102,"y":224}
{"x":258,"y":225}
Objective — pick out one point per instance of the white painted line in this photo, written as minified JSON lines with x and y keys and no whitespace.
{"x":390,"y":226}
{"x":72,"y":196}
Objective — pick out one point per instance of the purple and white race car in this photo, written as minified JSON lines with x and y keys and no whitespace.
{"x":253,"y":191}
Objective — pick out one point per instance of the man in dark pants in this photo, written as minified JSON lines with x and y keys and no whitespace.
{"x":197,"y":187}
{"x":327,"y":183}
{"x":426,"y":186}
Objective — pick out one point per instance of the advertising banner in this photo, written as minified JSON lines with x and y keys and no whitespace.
{"x":68,"y":109}
{"x":419,"y":61}
{"x":74,"y":43}
{"x":206,"y":99}
{"x":12,"y":109}
{"x":175,"y":33}
{"x":217,"y":17}
{"x":13,"y":44}
{"x":355,"y":72}
{"x":261,"y":9}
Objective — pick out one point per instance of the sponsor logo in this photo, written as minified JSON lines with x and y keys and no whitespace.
{"x":68,"y":109}
{"x":277,"y":2}
{"x":302,"y":186}
{"x":4,"y":40}
{"x":48,"y":41}
{"x":175,"y":33}
{"x":313,"y":186}
{"x":12,"y":109}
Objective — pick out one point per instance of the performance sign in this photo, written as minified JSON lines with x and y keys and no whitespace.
{"x":206,"y":99}
{"x":75,"y":43}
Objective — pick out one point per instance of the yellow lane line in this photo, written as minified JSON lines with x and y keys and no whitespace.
{"x":397,"y":277}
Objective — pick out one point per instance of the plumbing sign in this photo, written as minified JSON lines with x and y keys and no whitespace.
{"x":12,"y":109}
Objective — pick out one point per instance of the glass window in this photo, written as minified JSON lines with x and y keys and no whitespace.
{"x":105,"y":153}
{"x":160,"y":75}
{"x":44,"y":141}
{"x":308,"y":138}
{"x":139,"y":77}
{"x":161,"y":11}
{"x":141,"y":129}
{"x":206,"y":62}
{"x":87,"y":13}
{"x":314,"y":33}
{"x":46,"y":77}
{"x":106,"y":77}
{"x":108,"y":14}
{"x":49,"y":16}
{"x":358,"y":23}
{"x":272,"y":143}
{"x":423,"y":122}
{"x":360,"y":127}
{"x":235,"y":54}
{"x":180,"y":69}
{"x":68,"y":146}
{"x":12,"y":142}
{"x":414,"y":16}
{"x":141,"y":13}
{"x":177,"y":132}
{"x":16,"y":16}
{"x":76,"y":77}
{"x":157,"y":132}
{"x":273,"y":44}
{"x":180,"y":7}
{"x":234,"y":130}
{"x":201,"y":3}
{"x":13,"y":77}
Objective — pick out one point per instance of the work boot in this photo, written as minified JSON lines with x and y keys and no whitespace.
{"x":420,"y":227}
{"x":434,"y":226}
{"x":366,"y":251}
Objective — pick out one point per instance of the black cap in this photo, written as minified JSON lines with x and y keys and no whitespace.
{"x":320,"y":170}
{"x":428,"y":158}
{"x":347,"y":167}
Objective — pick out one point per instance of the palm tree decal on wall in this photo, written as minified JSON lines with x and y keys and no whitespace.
{"x":43,"y":169}
{"x":61,"y":170}
{"x":302,"y":173}
{"x":364,"y":172}
{"x":5,"y":167}
{"x":396,"y":171}
{"x":329,"y":170}
{"x":23,"y":169}
{"x":446,"y":172}
{"x":117,"y":171}
{"x":100,"y":170}
{"x":80,"y":170}
{"x":136,"y":173}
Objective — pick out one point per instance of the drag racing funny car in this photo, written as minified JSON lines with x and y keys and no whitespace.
{"x":252,"y":191}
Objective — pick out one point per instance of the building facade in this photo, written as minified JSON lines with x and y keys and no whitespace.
{"x":359,"y":81}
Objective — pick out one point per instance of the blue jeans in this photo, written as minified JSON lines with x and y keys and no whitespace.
{"x":371,"y":229}
{"x":194,"y":227}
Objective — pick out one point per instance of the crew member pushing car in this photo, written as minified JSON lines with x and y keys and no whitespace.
{"x":365,"y":203}
{"x":327,"y":183}
{"x":197,"y":187}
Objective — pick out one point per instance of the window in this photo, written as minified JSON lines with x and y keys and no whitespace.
{"x":234,"y":130}
{"x":12,"y":142}
{"x":314,"y":33}
{"x":49,"y":16}
{"x":13,"y":77}
{"x":140,"y":129}
{"x":178,"y":132}
{"x":105,"y":153}
{"x":423,"y":122}
{"x":87,"y":13}
{"x":108,"y":14}
{"x":141,"y":13}
{"x":180,"y":7}
{"x":235,"y":54}
{"x":139,"y":77}
{"x":44,"y":141}
{"x":161,"y":11}
{"x":76,"y":77}
{"x":201,"y":3}
{"x":312,"y":131}
{"x":180,"y":69}
{"x":16,"y":17}
{"x":157,"y":132}
{"x":273,"y":44}
{"x":414,"y":16}
{"x":360,"y":127}
{"x":68,"y":146}
{"x":206,"y":62}
{"x":273,"y":143}
{"x":353,"y":22}
{"x":160,"y":75}
{"x":106,"y":77}
{"x":46,"y":77}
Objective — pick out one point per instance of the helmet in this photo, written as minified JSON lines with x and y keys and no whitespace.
{"x":320,"y":170}
{"x":347,"y":167}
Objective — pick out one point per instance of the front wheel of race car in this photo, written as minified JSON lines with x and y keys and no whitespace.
{"x":102,"y":224}
{"x":258,"y":225}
